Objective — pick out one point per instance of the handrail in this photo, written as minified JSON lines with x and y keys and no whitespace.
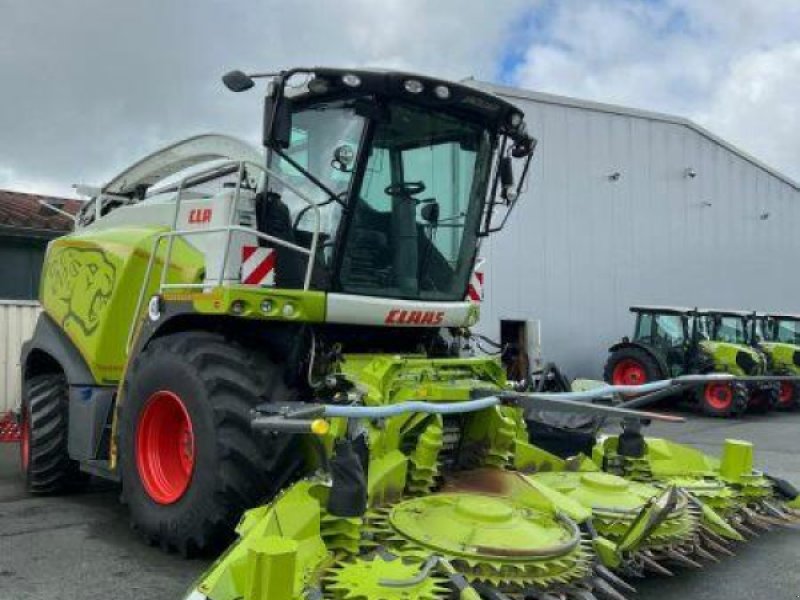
{"x":229,"y":229}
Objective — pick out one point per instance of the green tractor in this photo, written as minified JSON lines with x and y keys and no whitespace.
{"x":778,"y":335}
{"x":284,"y":337}
{"x":670,"y":341}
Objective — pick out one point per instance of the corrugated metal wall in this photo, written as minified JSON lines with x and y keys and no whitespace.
{"x":582,"y":247}
{"x":17,"y":320}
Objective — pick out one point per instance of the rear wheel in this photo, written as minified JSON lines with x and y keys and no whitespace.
{"x":44,"y":458}
{"x":723,"y":399}
{"x":631,"y":366}
{"x":765,"y":398}
{"x":189,"y":462}
{"x":788,"y":396}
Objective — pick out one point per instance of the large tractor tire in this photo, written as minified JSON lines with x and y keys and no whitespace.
{"x":788,"y":396}
{"x":765,"y":398}
{"x":723,"y":399}
{"x":44,"y":458}
{"x":631,"y":366}
{"x":189,"y":461}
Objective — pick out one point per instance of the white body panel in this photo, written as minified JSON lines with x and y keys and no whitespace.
{"x":195,"y":214}
{"x":17,"y":322}
{"x":365,"y":310}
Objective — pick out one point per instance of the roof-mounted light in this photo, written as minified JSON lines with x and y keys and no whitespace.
{"x":351,"y":80}
{"x":442,"y":92}
{"x":413,"y":86}
{"x":318,"y":85}
{"x":515,"y":120}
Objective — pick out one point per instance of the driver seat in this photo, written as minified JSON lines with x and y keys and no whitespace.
{"x":273,"y":218}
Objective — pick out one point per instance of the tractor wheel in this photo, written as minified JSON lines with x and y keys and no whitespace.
{"x":764,"y":399}
{"x":789,"y":396}
{"x":189,"y":462}
{"x":631,"y":366}
{"x":44,"y":459}
{"x":723,"y":399}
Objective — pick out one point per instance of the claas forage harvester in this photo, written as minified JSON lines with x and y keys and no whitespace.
{"x":284,"y":335}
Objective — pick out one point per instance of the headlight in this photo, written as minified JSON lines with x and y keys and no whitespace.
{"x":413,"y":86}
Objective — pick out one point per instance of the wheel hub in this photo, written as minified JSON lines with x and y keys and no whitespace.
{"x":629,"y":372}
{"x":719,"y":395}
{"x":165,"y":447}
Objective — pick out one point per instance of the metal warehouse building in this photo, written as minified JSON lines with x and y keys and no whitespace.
{"x":630,"y":207}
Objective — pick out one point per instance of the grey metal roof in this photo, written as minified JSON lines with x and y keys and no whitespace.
{"x":542,"y":97}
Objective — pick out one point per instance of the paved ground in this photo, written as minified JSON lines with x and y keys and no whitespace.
{"x":80,"y":547}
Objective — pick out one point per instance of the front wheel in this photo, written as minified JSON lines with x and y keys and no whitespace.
{"x":723,"y":399}
{"x":189,"y":461}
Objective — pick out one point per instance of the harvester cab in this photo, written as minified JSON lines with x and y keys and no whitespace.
{"x":778,"y":336}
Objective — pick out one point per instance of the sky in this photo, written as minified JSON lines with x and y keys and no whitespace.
{"x":89,"y":86}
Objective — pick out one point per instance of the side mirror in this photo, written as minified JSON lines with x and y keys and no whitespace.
{"x":506,"y":170}
{"x":277,"y":122}
{"x":236,"y":81}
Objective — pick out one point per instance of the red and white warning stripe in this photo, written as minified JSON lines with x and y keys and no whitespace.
{"x":475,"y":288}
{"x":258,"y":265}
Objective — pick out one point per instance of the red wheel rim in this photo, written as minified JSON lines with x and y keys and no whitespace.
{"x":165,"y":451}
{"x":25,"y":442}
{"x":629,"y":372}
{"x":719,"y":395}
{"x":786,"y":393}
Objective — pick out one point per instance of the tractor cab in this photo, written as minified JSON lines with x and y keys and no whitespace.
{"x":778,"y":327}
{"x":669,"y":331}
{"x":727,"y":326}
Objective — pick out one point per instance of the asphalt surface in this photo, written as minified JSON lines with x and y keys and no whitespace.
{"x":81,"y":547}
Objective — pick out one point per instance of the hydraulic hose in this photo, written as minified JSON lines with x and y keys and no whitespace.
{"x":391,"y":410}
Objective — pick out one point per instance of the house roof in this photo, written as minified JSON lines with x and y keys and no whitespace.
{"x":23,"y":214}
{"x":544,"y":98}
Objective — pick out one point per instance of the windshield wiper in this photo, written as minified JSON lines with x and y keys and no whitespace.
{"x":331,"y":194}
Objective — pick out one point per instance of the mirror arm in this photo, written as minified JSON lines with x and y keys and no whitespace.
{"x":487,"y":221}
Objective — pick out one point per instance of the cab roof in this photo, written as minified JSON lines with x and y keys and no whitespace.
{"x":460,"y":98}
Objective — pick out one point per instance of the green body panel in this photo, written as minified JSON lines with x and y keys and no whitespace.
{"x":724,"y":356}
{"x":781,"y":356}
{"x":91,"y":283}
{"x":727,"y":485}
{"x":250,"y":302}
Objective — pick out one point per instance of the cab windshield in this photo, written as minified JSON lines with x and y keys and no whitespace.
{"x":787,"y":331}
{"x":730,"y":329}
{"x":416,"y":212}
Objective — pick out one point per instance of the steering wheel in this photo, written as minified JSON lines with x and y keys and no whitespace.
{"x":404,"y":189}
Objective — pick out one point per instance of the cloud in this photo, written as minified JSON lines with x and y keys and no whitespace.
{"x":89,"y":85}
{"x":731,"y":66}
